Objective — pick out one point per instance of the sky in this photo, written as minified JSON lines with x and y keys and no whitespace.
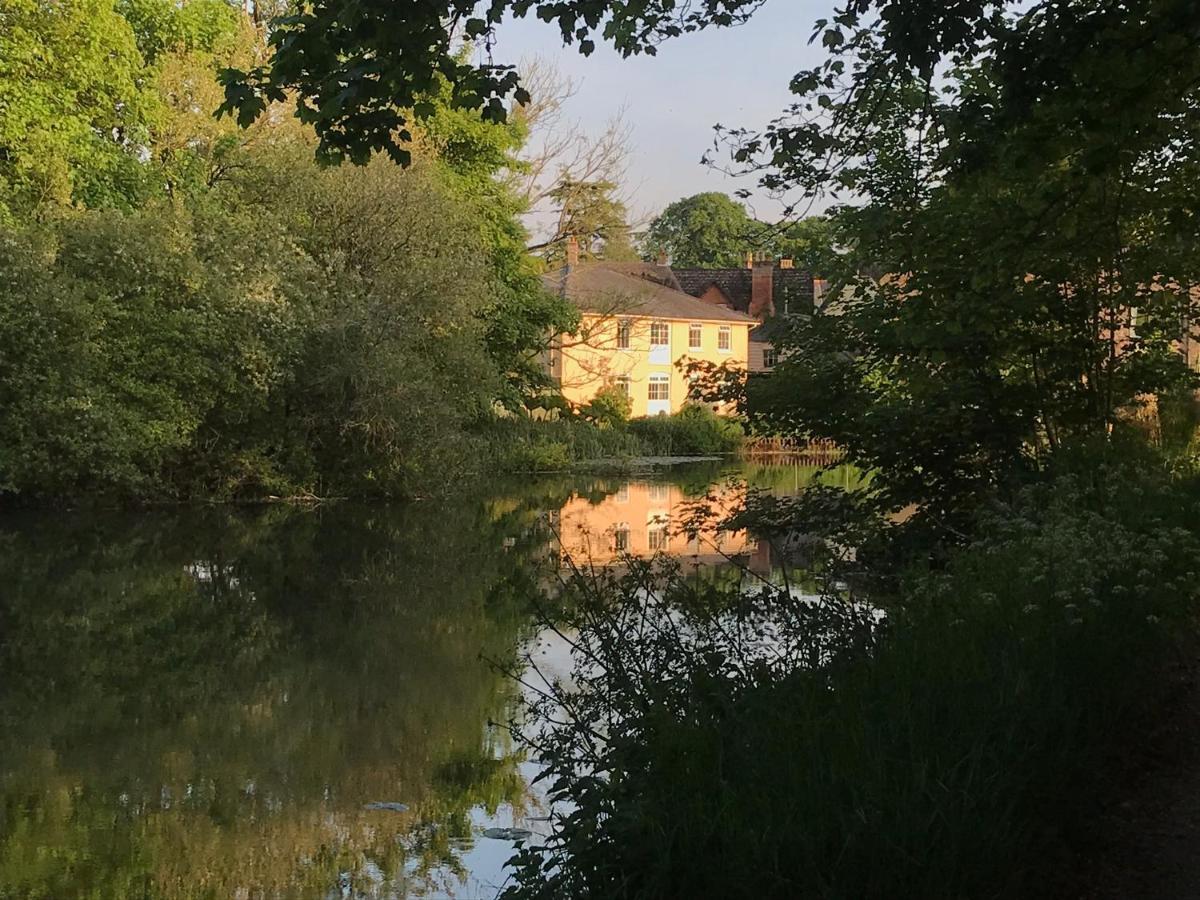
{"x":737,"y":77}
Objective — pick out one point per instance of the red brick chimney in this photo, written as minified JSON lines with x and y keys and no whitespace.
{"x":572,"y":252}
{"x":762,"y":289}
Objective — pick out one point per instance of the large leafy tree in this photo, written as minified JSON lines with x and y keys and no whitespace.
{"x":710,"y":230}
{"x":811,"y":242}
{"x":74,"y":113}
{"x":474,"y":158}
{"x":244,"y":322}
{"x":1022,"y":214}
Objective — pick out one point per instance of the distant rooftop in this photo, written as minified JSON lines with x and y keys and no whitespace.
{"x":635,"y":289}
{"x":792,"y":289}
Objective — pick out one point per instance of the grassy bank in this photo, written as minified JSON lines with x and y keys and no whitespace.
{"x":946,"y":746}
{"x":518,"y":444}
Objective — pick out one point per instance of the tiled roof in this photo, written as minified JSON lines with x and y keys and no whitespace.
{"x":792,"y":289}
{"x":649,"y":271}
{"x":734,"y":283}
{"x":610,"y":289}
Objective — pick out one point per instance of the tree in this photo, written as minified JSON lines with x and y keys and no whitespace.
{"x":76,"y":113}
{"x":216,"y":337}
{"x":568,"y":176}
{"x":356,"y":71}
{"x":476,"y":158}
{"x":161,"y":26}
{"x":809,"y":242}
{"x":588,"y":212}
{"x":708,"y":230}
{"x":712,"y":230}
{"x":126,"y":338}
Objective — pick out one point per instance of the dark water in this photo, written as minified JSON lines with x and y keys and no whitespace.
{"x":284,"y":702}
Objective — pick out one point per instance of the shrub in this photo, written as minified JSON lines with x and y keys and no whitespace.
{"x":119,"y":341}
{"x":610,"y":407}
{"x":296,"y":336}
{"x":545,"y":456}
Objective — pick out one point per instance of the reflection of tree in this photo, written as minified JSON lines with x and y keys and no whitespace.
{"x":200,"y":705}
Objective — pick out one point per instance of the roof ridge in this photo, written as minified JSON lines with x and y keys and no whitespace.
{"x":643,"y":291}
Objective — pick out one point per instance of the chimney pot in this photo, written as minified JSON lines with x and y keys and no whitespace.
{"x":572,"y":252}
{"x":786,"y":263}
{"x":749,"y":259}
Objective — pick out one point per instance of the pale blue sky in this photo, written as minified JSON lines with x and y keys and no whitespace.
{"x":737,"y":77}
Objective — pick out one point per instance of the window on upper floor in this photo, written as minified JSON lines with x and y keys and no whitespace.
{"x":770,"y":357}
{"x":659,"y":388}
{"x":625,"y":384}
{"x":660,"y":334}
{"x":695,"y":336}
{"x":725,"y":338}
{"x":624,"y":331}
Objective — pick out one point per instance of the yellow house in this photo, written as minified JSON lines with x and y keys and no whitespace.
{"x":638,"y":332}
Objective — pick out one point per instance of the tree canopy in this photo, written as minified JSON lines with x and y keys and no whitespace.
{"x":711,"y":230}
{"x":357,"y":69}
{"x":192,"y":308}
{"x":74,"y":109}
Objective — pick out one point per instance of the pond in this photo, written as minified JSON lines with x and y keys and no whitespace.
{"x":297,"y":701}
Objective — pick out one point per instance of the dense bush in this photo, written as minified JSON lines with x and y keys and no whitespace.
{"x":780,"y":747}
{"x":122,"y":334}
{"x":191,"y":308}
{"x":305,"y":330}
{"x":611,"y":406}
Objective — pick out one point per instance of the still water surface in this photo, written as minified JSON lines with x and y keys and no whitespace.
{"x":290,"y":702}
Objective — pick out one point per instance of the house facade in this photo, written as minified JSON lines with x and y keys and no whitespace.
{"x":638,"y":332}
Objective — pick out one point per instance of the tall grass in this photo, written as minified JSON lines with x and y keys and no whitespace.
{"x":519,"y":444}
{"x":765,"y":746}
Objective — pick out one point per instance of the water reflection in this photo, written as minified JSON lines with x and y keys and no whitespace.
{"x":286,"y":702}
{"x":203,"y":705}
{"x":643,"y":518}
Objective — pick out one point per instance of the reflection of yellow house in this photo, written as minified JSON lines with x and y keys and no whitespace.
{"x":645,"y":518}
{"x":638,"y":332}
